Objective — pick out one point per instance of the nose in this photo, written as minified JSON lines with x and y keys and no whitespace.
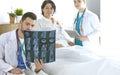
{"x":49,"y":9}
{"x":30,"y":27}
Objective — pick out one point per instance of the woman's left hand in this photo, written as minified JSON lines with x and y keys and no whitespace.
{"x":71,"y":43}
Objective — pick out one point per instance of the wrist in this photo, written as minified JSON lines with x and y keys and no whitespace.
{"x":37,"y":70}
{"x":10,"y":71}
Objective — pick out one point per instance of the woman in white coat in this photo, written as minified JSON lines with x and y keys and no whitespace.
{"x":12,"y":56}
{"x":87,"y":24}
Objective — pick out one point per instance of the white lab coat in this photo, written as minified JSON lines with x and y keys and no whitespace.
{"x":91,"y":28}
{"x":8,"y":53}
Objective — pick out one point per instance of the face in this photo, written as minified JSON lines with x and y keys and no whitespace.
{"x":27,"y":24}
{"x":79,"y":4}
{"x":48,"y":10}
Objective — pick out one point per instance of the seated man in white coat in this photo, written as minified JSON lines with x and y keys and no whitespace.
{"x":12,"y":51}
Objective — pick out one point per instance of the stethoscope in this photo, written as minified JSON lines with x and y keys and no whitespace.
{"x":19,"y":45}
{"x":75,"y":21}
{"x":79,"y":19}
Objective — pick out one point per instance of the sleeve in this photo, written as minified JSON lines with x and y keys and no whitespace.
{"x":32,"y":66}
{"x":3,"y":65}
{"x":95,"y":23}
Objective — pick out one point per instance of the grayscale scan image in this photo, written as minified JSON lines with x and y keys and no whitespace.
{"x":40,"y":45}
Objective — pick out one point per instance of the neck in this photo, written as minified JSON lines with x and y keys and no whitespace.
{"x":81,"y":10}
{"x":20,"y":34}
{"x":50,"y":18}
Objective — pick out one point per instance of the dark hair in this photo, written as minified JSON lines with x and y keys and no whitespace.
{"x":46,"y":2}
{"x":30,"y":15}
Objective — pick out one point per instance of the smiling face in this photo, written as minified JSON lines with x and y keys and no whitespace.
{"x":48,"y":10}
{"x":79,"y":4}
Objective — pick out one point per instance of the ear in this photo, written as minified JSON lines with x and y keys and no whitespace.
{"x":20,"y":21}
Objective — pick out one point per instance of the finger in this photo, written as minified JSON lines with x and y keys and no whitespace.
{"x":36,"y":60}
{"x":41,"y":62}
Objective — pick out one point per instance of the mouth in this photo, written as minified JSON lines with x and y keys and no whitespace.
{"x":77,"y":6}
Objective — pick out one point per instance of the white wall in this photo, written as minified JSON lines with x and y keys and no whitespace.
{"x":110,"y":14}
{"x":34,"y":6}
{"x":94,"y":5}
{"x":10,"y":5}
{"x":64,"y":13}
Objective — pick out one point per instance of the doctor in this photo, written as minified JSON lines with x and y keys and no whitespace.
{"x":87,"y":24}
{"x":12,"y":54}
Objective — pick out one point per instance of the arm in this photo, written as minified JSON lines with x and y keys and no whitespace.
{"x":4,"y":66}
{"x":93,"y":29}
{"x":95,"y":24}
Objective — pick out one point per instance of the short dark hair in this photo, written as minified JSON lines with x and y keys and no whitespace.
{"x":46,"y":2}
{"x":30,"y":15}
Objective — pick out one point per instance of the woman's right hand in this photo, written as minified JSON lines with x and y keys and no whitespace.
{"x":58,"y":45}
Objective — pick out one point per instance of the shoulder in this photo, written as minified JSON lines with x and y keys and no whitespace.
{"x":8,"y":33}
{"x":8,"y":36}
{"x":90,"y":13}
{"x":39,"y":20}
{"x":42,"y":20}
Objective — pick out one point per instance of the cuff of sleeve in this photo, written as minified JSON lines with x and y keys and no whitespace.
{"x":8,"y":69}
{"x":33,"y":67}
